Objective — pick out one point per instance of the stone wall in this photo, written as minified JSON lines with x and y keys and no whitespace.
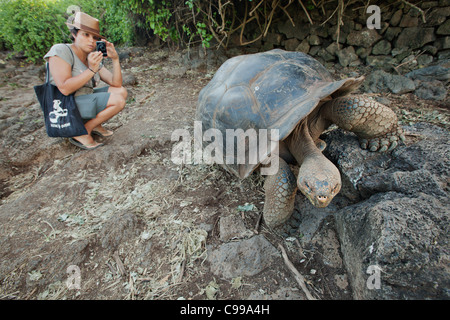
{"x":408,"y":35}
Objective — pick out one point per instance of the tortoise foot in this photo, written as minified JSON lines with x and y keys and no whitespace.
{"x":387,"y":142}
{"x":289,"y":228}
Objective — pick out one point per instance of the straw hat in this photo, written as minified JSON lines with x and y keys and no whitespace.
{"x":85,"y":22}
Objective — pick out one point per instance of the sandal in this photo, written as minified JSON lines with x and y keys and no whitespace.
{"x":103,"y":135}
{"x":82,"y":146}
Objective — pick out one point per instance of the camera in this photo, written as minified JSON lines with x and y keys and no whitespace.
{"x":101,"y":46}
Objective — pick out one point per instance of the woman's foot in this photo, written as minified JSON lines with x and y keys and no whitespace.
{"x":102,"y":132}
{"x":85,"y":142}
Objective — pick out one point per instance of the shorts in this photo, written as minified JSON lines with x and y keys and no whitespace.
{"x":90,"y":105}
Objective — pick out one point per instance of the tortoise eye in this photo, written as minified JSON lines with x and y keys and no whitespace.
{"x":336,"y":188}
{"x":307,"y":186}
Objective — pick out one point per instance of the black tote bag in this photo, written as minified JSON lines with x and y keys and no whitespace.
{"x":61,"y":115}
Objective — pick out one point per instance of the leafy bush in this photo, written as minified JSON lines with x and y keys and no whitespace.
{"x":180,"y":21}
{"x":117,"y":22}
{"x":33,"y":26}
{"x":30,"y":26}
{"x":155,"y":15}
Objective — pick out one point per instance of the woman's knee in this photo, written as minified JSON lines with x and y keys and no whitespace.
{"x":121,"y":101}
{"x":119,"y":90}
{"x":117,"y":100}
{"x":124,"y":93}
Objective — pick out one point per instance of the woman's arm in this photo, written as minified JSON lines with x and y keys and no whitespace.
{"x":114,"y":78}
{"x":62,"y":73}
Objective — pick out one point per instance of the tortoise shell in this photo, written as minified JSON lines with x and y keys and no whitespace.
{"x":270,"y":90}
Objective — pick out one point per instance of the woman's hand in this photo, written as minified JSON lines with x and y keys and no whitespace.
{"x":112,"y":53}
{"x":94,"y":60}
{"x":113,"y":78}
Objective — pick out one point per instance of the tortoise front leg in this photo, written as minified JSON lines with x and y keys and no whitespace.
{"x":375,"y":124}
{"x":280,"y":190}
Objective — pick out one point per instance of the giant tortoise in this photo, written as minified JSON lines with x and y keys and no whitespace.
{"x":294,"y":93}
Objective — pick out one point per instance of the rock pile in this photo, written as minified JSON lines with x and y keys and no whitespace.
{"x":399,"y":222}
{"x":428,"y":83}
{"x":407,"y":35}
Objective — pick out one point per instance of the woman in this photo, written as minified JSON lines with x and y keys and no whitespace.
{"x":78,"y":68}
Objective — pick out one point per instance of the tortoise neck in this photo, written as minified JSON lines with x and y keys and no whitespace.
{"x":302,"y":146}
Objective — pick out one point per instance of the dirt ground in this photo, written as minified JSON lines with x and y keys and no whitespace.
{"x":134,"y":224}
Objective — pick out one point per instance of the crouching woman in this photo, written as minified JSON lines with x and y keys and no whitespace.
{"x":78,"y":68}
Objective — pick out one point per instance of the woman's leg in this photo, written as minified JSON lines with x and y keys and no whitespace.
{"x":115,"y":104}
{"x":121,"y":91}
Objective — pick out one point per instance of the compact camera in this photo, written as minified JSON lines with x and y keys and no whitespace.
{"x":101,"y":46}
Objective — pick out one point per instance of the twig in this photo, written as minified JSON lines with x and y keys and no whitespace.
{"x":147,"y":97}
{"x":269,"y":22}
{"x":215,"y":225}
{"x":183,"y":266}
{"x":256,"y":7}
{"x":132,"y":289}
{"x":113,"y":284}
{"x":409,"y":61}
{"x":339,"y":22}
{"x":11,"y":295}
{"x":111,"y":269}
{"x":53,"y":233}
{"x":306,"y":11}
{"x":300,"y":249}
{"x":144,"y":279}
{"x":119,"y":263}
{"x":287,"y":13}
{"x":300,"y":279}
{"x":241,"y":35}
{"x":417,"y":8}
{"x":331,"y":16}
{"x":29,"y":295}
{"x":258,"y":223}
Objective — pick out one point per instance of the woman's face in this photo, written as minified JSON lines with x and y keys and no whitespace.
{"x":86,"y":41}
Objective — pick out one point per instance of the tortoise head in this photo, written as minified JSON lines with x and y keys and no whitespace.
{"x":319,"y":180}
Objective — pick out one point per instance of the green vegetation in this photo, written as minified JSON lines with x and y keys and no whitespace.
{"x":30,"y":26}
{"x":33,"y":26}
